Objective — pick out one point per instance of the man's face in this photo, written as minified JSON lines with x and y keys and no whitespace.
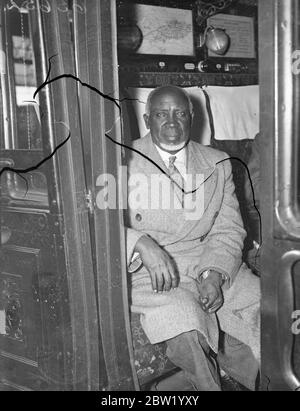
{"x":170,"y":118}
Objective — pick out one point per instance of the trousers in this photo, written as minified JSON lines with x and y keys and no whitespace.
{"x":200,"y":367}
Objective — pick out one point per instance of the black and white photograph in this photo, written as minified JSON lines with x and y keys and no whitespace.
{"x":149,"y":198}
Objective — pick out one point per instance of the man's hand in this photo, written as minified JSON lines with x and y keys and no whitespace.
{"x":211,"y":295}
{"x":159,"y":265}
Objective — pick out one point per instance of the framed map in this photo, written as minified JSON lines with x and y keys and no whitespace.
{"x":166,"y":31}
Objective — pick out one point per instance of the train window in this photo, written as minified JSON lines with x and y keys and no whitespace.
{"x":1,"y":109}
{"x":21,"y":70}
{"x":3,"y":87}
{"x":20,"y":118}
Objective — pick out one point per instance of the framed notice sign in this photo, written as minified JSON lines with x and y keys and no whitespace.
{"x":241,"y":32}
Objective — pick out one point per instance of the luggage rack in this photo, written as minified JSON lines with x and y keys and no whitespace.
{"x":155,"y":79}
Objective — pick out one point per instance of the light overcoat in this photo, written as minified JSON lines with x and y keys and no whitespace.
{"x":211,"y":237}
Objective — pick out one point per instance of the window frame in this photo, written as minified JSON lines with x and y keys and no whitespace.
{"x":12,"y":192}
{"x":287,"y":124}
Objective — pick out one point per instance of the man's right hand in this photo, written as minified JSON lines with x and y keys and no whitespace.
{"x":159,"y":265}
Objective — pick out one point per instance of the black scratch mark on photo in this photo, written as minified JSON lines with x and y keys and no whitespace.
{"x":49,"y":81}
{"x":19,"y":172}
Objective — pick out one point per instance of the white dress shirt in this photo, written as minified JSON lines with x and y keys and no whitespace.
{"x":180,"y":162}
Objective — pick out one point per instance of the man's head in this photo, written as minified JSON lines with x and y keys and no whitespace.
{"x":169,"y":114}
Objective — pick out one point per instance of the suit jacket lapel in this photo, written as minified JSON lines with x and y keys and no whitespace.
{"x":154,"y":155}
{"x":197,"y":164}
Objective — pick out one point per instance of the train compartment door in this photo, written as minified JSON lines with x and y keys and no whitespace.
{"x":280,"y":195}
{"x":48,"y":316}
{"x":100,"y":107}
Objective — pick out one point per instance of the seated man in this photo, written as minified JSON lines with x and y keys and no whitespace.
{"x":192,"y":282}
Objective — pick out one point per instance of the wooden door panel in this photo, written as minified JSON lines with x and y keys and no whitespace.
{"x":32,"y":293}
{"x":19,"y":339}
{"x":19,"y":265}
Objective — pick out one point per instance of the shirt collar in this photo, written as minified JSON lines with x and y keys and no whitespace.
{"x":180,"y":156}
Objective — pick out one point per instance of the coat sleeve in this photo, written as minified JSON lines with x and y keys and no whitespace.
{"x":132,"y":237}
{"x":222,"y":251}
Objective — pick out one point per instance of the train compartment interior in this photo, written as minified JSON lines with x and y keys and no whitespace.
{"x":75,"y":76}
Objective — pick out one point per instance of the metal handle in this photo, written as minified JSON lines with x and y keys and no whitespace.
{"x":4,"y":198}
{"x":286,"y":306}
{"x":287,"y":211}
{"x":5,"y":234}
{"x":6,"y":162}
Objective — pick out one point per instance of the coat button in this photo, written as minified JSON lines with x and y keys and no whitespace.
{"x":138,"y":217}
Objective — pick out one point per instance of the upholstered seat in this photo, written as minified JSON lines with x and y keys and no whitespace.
{"x":151,"y":361}
{"x":152,"y":365}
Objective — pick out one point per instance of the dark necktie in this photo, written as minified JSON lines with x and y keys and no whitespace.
{"x":178,"y":179}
